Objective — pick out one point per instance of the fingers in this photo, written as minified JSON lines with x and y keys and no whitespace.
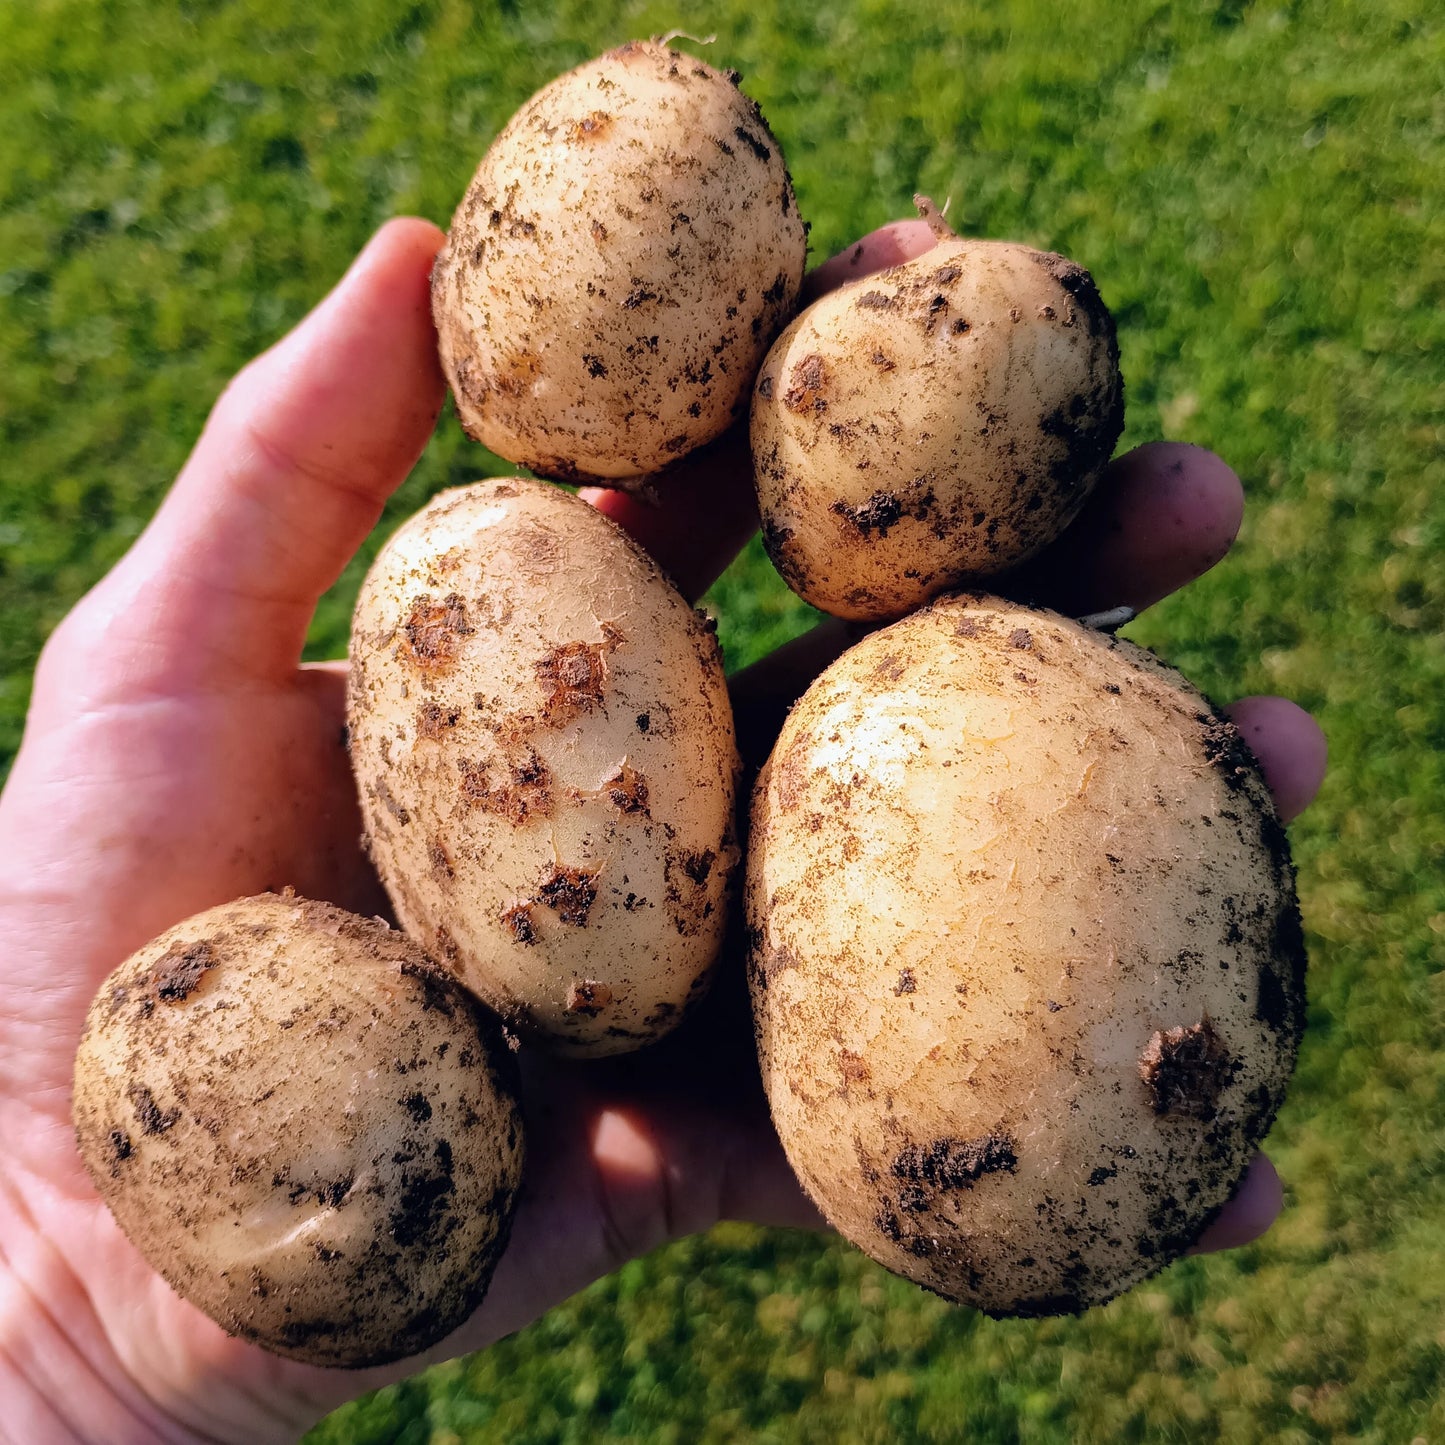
{"x":705,"y":512}
{"x":293,"y":467}
{"x":1252,"y":1210}
{"x":663,"y":1174}
{"x":1161,"y":516}
{"x":705,"y":508}
{"x":889,"y":245}
{"x":1289,"y":746}
{"x":762,"y":693}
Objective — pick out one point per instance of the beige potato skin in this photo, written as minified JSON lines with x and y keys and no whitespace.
{"x":544,"y":748}
{"x":305,"y":1127}
{"x":939,"y":421}
{"x":1025,"y":955}
{"x":627,"y":250}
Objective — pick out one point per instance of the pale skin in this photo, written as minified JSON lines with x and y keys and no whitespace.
{"x":178,"y":755}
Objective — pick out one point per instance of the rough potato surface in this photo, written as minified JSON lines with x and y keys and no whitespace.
{"x":544,"y":748}
{"x":937,"y":422}
{"x":624,"y":255}
{"x":305,"y":1126}
{"x":1025,"y":956}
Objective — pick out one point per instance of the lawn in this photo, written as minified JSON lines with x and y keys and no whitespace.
{"x":1257,"y":188}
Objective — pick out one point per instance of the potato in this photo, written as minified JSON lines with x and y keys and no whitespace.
{"x":305,"y":1127}
{"x":1025,"y":956}
{"x":933,"y":423}
{"x":544,"y":746}
{"x":626,"y":251}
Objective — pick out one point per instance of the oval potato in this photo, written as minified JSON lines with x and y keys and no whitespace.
{"x":937,"y":422}
{"x":305,"y":1126}
{"x":544,"y":747}
{"x":628,"y":248}
{"x":1025,"y":955}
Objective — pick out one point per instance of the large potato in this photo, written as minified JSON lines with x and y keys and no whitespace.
{"x":626,"y":251}
{"x":936,"y":422}
{"x":1025,"y":955}
{"x":544,"y":747}
{"x":305,"y":1126}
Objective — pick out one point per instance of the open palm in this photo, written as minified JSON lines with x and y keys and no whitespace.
{"x":177,"y":756}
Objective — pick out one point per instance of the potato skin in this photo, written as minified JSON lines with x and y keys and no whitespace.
{"x":1025,"y":956}
{"x":305,"y":1127}
{"x":544,"y":748}
{"x":937,"y":422}
{"x":627,"y":250}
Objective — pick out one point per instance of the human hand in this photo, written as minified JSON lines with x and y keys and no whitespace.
{"x":177,"y":755}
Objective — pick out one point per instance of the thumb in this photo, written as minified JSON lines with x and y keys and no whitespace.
{"x":290,"y":473}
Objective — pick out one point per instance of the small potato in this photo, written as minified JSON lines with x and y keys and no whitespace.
{"x":305,"y":1127}
{"x":937,"y":422}
{"x":1025,"y":955}
{"x":626,"y":251}
{"x":544,"y":747}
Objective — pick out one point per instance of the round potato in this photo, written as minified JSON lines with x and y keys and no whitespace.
{"x":936,"y":422}
{"x":1025,"y":955}
{"x":544,"y":746}
{"x":626,"y":251}
{"x":305,"y":1127}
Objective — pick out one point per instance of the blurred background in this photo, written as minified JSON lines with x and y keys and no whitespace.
{"x":1258,"y":190}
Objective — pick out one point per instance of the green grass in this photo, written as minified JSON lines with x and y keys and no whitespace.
{"x":1258,"y":189}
